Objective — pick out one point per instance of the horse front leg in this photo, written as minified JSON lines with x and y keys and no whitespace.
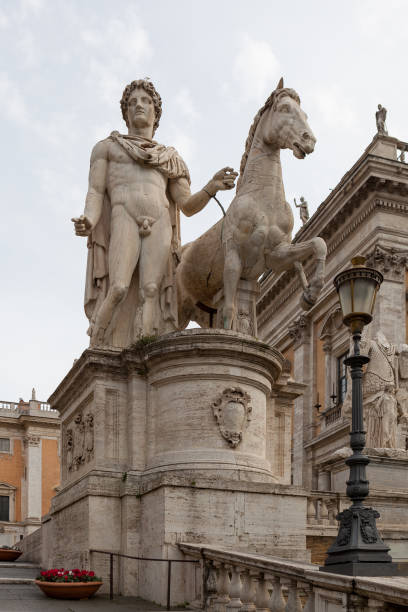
{"x":232,"y":274}
{"x":291,"y":255}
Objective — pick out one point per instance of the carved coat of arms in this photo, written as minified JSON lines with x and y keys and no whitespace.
{"x":232,"y":411}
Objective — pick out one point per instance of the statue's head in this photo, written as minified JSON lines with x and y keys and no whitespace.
{"x":151,"y":91}
{"x":379,"y":107}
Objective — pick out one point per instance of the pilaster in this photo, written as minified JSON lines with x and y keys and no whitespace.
{"x":300,"y":331}
{"x":32,"y":444}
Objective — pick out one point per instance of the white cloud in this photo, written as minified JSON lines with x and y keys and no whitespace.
{"x":4,"y":20}
{"x":256,"y":68}
{"x":184,"y":144}
{"x":115,"y":48}
{"x":333,"y":107}
{"x":12,"y":103}
{"x":29,"y":7}
{"x":186,"y":105}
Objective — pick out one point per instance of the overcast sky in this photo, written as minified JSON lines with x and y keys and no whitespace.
{"x":63,"y":66}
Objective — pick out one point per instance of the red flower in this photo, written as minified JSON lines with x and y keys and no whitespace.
{"x":91,"y":574}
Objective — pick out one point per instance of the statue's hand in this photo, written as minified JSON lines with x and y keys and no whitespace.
{"x":83,"y":226}
{"x":223,"y":179}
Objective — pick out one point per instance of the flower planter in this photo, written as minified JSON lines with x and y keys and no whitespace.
{"x":7,"y":554}
{"x":68,"y":590}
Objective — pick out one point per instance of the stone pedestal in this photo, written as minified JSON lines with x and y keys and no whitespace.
{"x":170,"y":441}
{"x":245,"y":308}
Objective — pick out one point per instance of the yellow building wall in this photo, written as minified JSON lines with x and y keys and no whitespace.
{"x":12,"y":472}
{"x":50,"y":472}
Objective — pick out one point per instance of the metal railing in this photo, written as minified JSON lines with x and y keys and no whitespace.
{"x":168,"y":561}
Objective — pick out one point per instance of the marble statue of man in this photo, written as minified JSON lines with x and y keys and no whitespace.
{"x":379,"y":387}
{"x":136,"y":189}
{"x":304,"y":210}
{"x":380,"y":117}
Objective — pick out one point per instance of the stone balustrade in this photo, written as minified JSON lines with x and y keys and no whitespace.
{"x":402,"y":152}
{"x":14,"y":409}
{"x":322,"y":508}
{"x":330,"y":416}
{"x":240,"y":581}
{"x":8,"y":405}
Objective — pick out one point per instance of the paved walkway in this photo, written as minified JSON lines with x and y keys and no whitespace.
{"x":28,"y":598}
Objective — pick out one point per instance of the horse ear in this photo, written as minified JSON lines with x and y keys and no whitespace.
{"x":280,"y":84}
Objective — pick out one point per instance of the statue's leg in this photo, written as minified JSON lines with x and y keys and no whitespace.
{"x":232,"y":274}
{"x":154,"y":257}
{"x":286,"y":256}
{"x":124,"y":249}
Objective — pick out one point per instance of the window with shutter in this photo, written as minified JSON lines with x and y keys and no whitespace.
{"x":4,"y":508}
{"x":4,"y":445}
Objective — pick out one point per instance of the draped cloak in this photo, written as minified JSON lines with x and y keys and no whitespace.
{"x":129,"y":325}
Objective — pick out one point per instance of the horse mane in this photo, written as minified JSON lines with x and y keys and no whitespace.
{"x":277,"y":93}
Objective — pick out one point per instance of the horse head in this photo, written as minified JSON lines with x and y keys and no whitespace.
{"x":285,"y":123}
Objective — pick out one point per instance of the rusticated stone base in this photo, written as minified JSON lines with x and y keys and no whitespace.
{"x":183,"y":438}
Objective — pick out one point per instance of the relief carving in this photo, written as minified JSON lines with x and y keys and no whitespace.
{"x":368,"y":528}
{"x":79,"y":441}
{"x":388,"y":260}
{"x":299,"y":329}
{"x":31,"y":440}
{"x":232,"y":412}
{"x":346,"y":520}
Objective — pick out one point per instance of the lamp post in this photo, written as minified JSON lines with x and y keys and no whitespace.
{"x":358,"y":549}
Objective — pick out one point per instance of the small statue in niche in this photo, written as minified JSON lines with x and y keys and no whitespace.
{"x":304,"y":210}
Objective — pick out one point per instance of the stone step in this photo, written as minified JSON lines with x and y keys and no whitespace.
{"x":11,"y":580}
{"x":19,"y":571}
{"x":18,"y":564}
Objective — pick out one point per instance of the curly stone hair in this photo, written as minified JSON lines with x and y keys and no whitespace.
{"x":150,"y":89}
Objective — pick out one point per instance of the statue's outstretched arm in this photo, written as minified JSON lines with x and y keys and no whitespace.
{"x":96,"y":190}
{"x":191,"y":204}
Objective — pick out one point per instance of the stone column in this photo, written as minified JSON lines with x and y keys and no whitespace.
{"x":32,"y":445}
{"x":299,"y":330}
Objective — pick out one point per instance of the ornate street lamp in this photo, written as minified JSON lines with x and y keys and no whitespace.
{"x":358,"y":549}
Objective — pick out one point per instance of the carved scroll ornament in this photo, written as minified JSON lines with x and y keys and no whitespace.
{"x":232,"y":412}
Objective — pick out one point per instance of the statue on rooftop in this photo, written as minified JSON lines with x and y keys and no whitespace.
{"x":304,"y":210}
{"x":380,"y":117}
{"x":131,"y":218}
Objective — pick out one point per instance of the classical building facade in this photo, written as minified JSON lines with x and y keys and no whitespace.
{"x":29,"y":466}
{"x":366,"y":214}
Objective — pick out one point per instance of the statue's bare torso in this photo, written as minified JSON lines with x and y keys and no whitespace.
{"x":140,"y":190}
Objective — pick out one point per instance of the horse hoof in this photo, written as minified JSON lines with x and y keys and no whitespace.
{"x":306,"y":303}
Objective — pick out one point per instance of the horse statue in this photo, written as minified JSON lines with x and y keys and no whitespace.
{"x":255,"y":235}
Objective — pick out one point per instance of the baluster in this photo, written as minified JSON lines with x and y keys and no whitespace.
{"x":235,"y":602}
{"x":324,"y":513}
{"x":277,"y":602}
{"x":293,"y":604}
{"x":248,"y":592}
{"x":374,"y":605}
{"x":311,"y":511}
{"x":211,"y":586}
{"x":223,"y":584}
{"x":262,"y":594}
{"x":310,"y":598}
